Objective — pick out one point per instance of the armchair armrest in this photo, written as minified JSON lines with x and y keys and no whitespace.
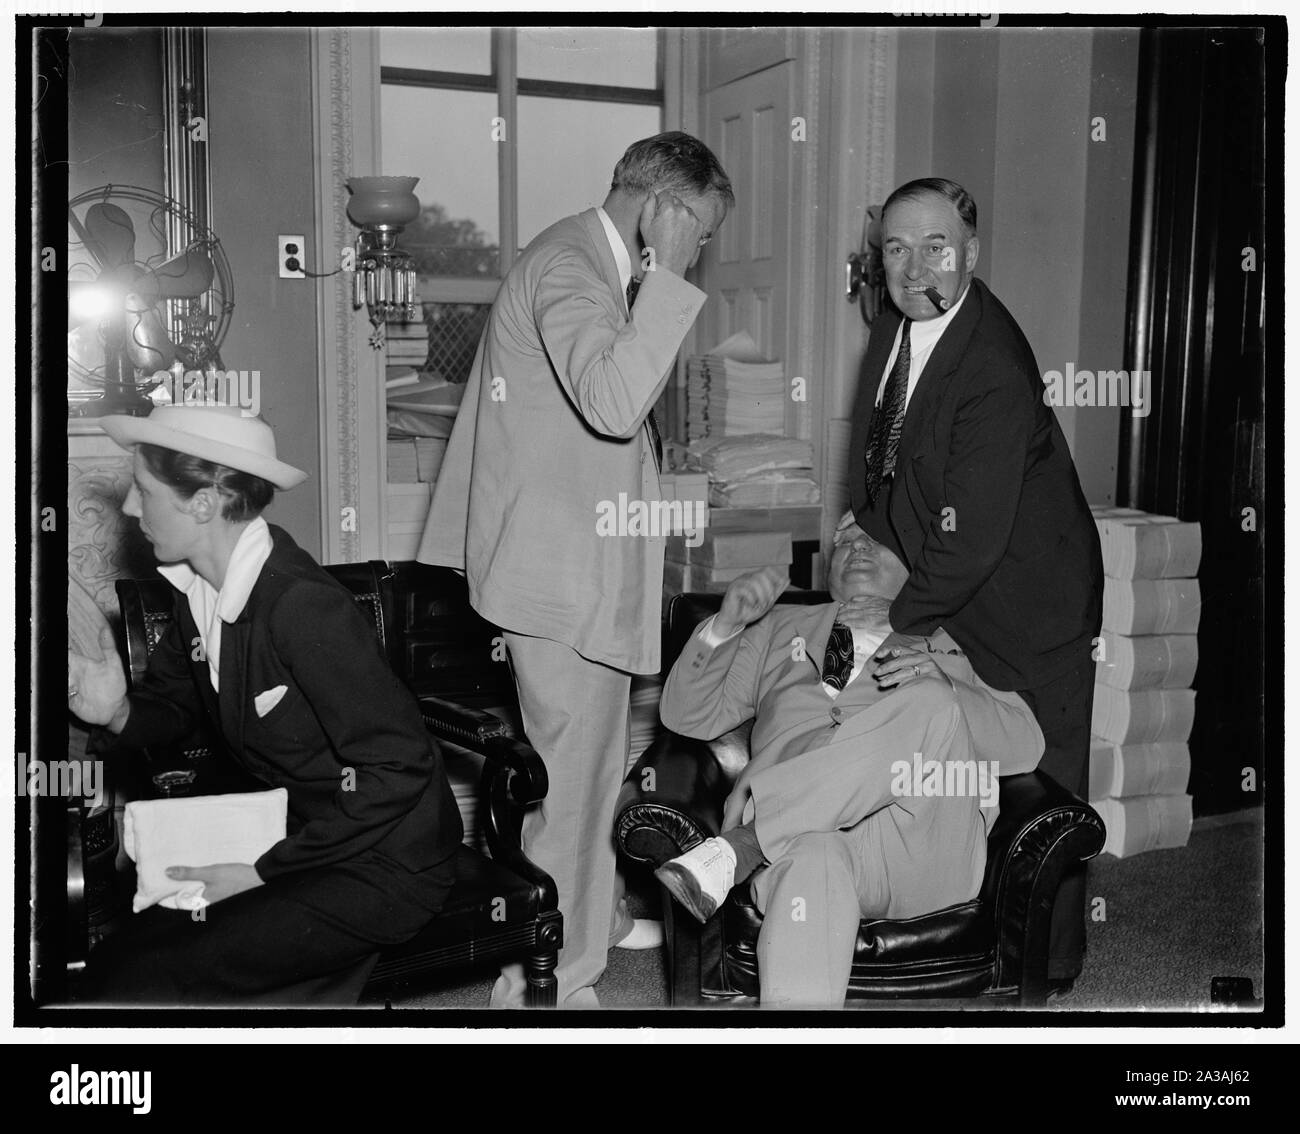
{"x":1042,"y":831}
{"x":671,"y":800}
{"x":514,"y":777}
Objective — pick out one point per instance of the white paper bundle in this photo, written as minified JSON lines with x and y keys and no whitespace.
{"x":1149,"y":822}
{"x":1142,"y":716}
{"x":1151,"y":606}
{"x":201,"y":830}
{"x":1137,"y":769}
{"x":1150,"y":661}
{"x":1141,"y":545}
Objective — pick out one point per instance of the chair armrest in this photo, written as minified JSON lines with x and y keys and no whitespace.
{"x":514,"y":777}
{"x":1042,"y":831}
{"x":671,"y":800}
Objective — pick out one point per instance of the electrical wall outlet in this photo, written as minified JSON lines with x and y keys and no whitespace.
{"x":289,"y":253}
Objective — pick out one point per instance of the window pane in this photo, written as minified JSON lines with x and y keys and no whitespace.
{"x":567,"y":152}
{"x":619,"y":57}
{"x":445,"y":139}
{"x":467,"y":50}
{"x":454,"y":332}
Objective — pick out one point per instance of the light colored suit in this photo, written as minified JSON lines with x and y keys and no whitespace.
{"x":553,"y":424}
{"x":551,"y":431}
{"x":845,"y":833}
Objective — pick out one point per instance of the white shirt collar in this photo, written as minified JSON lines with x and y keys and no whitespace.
{"x":621,"y":258}
{"x":926,"y":332}
{"x":246,"y":563}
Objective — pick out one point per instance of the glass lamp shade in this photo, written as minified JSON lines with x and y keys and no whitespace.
{"x":388,"y":201}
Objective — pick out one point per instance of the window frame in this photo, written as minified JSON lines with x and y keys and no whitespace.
{"x":504,"y":80}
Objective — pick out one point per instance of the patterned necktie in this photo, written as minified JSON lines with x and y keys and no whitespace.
{"x":837,"y":667}
{"x":652,"y":426}
{"x":887,"y":423}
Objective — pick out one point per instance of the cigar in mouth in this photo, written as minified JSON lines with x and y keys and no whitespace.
{"x":934,"y":296}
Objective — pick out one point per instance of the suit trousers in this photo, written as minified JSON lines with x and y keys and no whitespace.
{"x":306,"y":937}
{"x":1063,"y":708}
{"x":848,"y":838}
{"x":575,"y":714}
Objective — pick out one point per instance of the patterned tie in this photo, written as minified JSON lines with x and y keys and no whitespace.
{"x":887,"y":424}
{"x":652,"y":426}
{"x":837,"y":667}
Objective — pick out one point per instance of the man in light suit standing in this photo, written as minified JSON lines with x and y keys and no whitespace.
{"x":556,"y":422}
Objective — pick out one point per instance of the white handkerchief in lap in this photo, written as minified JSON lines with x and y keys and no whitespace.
{"x":265,"y":702}
{"x":200,"y":831}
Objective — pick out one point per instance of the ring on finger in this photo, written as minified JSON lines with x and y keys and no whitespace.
{"x":916,"y":671}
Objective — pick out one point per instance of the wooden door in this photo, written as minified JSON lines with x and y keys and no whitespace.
{"x":746,"y":269}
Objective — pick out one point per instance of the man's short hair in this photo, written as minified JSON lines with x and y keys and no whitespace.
{"x":243,"y":495}
{"x":674,"y":161}
{"x":950,"y":191}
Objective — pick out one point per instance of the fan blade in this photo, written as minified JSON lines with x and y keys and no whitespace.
{"x":182,"y":277}
{"x":110,"y":235}
{"x":147,"y":343}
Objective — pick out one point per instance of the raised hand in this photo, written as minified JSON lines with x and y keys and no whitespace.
{"x":97,"y":686}
{"x":670,"y":231}
{"x":749,"y":598}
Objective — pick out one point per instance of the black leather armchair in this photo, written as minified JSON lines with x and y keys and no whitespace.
{"x":503,"y":906}
{"x":993,"y":947}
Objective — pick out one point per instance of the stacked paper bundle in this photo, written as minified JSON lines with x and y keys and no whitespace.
{"x":733,"y":390}
{"x":415,"y":460}
{"x":756,"y":470}
{"x":407,"y":344}
{"x":1143,"y":704}
{"x":720,"y":558}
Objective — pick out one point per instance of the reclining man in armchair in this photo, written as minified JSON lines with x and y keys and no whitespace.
{"x":873,"y":774}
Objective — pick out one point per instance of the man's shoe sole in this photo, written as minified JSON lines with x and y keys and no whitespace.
{"x":683,"y":886}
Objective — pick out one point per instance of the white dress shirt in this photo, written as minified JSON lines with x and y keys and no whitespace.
{"x":865,"y":643}
{"x":616,"y":245}
{"x":211,"y":607}
{"x":925,"y":333}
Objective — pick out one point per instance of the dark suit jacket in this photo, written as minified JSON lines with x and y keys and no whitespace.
{"x":1016,"y":580}
{"x":343,"y":708}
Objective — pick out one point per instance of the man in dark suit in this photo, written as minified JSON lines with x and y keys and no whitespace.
{"x":968,"y":476}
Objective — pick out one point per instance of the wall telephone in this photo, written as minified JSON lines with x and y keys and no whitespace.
{"x":864,"y":271}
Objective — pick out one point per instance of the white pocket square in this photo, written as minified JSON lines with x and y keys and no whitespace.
{"x":265,"y":702}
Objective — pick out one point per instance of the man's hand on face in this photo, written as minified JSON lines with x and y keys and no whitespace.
{"x":749,"y":598}
{"x":670,"y":231}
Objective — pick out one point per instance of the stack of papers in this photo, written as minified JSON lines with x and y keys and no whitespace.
{"x":734,"y":390}
{"x":756,"y":470}
{"x":408,"y":344}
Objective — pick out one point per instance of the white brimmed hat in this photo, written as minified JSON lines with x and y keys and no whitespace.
{"x":224,"y":434}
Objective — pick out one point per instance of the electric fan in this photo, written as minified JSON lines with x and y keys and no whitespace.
{"x":140,"y":315}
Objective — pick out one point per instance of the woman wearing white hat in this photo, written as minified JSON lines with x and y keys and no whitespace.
{"x":277,"y":654}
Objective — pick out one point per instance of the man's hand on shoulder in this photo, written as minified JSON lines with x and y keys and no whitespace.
{"x":749,"y":598}
{"x":670,"y":231}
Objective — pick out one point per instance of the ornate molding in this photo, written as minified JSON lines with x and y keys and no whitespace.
{"x":332,"y":61}
{"x":102,"y":545}
{"x":808,"y":360}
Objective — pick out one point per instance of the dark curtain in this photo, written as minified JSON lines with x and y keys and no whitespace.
{"x":1208,"y":149}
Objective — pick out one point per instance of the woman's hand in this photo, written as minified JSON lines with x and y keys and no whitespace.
{"x":220,"y":881}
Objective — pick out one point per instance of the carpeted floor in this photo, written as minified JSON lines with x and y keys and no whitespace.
{"x":1163,"y":924}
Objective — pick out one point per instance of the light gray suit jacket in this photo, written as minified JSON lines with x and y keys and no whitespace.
{"x":550,"y":432}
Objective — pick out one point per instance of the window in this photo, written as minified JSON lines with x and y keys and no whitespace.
{"x":508,"y":130}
